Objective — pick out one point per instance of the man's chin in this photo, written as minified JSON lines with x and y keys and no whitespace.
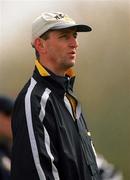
{"x":71,"y":63}
{"x":69,"y":66}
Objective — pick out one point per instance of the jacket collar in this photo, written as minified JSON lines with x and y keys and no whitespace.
{"x":44,"y":71}
{"x":58,"y":82}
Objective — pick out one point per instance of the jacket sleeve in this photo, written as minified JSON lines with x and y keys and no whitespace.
{"x":42,"y":135}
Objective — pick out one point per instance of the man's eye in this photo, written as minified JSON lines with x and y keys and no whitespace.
{"x":66,"y":36}
{"x":75,"y":35}
{"x":63,"y":36}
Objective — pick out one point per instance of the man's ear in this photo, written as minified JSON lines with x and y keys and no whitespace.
{"x":39,"y":45}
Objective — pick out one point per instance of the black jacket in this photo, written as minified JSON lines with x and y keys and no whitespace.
{"x":49,"y":141}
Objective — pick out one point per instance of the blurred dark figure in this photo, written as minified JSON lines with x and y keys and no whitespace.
{"x":107,"y":170}
{"x":6,"y":107}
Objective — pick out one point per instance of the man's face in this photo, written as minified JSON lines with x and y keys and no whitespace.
{"x":61,"y":48}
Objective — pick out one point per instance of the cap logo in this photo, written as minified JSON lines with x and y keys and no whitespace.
{"x":59,"y":16}
{"x":64,"y":18}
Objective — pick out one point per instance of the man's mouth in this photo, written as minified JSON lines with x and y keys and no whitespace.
{"x":72,"y":52}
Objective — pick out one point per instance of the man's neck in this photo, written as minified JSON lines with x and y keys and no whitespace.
{"x":53,"y":68}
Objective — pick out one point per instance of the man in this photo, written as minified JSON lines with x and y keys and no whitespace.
{"x":51,"y":139}
{"x":6,"y":107}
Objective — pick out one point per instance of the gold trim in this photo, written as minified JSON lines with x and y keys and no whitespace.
{"x":41,"y":69}
{"x":70,"y":72}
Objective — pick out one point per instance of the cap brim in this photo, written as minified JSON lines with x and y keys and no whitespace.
{"x":79,"y":27}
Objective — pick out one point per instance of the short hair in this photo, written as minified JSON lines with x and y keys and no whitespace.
{"x":6,"y":105}
{"x":44,"y":36}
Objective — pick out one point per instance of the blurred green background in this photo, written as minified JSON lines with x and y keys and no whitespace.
{"x":102,"y":68}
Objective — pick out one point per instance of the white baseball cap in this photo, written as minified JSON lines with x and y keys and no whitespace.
{"x":54,"y":20}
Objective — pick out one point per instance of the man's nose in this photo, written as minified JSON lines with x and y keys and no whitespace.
{"x":74,"y":42}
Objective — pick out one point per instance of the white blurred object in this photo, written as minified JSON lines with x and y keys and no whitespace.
{"x":107,"y":170}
